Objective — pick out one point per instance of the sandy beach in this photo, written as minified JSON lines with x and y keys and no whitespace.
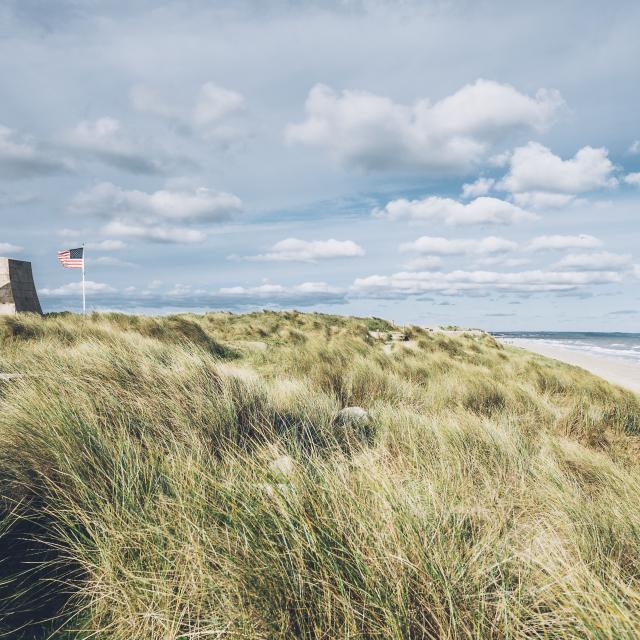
{"x":626,"y":374}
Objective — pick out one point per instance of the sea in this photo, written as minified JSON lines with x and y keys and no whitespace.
{"x":623,"y":346}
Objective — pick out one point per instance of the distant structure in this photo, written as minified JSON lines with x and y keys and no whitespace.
{"x":17,"y":289}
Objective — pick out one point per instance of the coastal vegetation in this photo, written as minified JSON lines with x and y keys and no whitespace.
{"x":194,"y":477}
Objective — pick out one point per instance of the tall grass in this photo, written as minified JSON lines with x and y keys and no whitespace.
{"x":189,"y":478}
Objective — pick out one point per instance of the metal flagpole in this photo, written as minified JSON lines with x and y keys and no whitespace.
{"x":84,"y":303}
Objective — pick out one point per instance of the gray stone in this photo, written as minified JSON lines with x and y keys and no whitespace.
{"x":17,"y":290}
{"x":10,"y":376}
{"x":283,"y":466}
{"x":352,"y":415}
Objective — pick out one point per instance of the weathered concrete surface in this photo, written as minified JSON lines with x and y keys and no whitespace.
{"x":17,"y":290}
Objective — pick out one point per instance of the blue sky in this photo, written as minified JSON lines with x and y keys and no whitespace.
{"x":462,"y":162}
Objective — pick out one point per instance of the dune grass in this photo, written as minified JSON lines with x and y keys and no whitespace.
{"x":189,"y":478}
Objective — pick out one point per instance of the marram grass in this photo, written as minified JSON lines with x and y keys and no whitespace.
{"x":187,"y":478}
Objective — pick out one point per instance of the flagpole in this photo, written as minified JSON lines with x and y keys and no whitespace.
{"x":84,"y":302}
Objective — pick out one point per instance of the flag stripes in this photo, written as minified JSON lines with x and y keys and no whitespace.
{"x":72,"y":258}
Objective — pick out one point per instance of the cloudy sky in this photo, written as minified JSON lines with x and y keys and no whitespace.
{"x":431,"y":162}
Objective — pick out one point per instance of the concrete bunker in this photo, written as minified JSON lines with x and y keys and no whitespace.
{"x":17,"y":289}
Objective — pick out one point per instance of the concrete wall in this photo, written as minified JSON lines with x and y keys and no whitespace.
{"x":17,"y":289}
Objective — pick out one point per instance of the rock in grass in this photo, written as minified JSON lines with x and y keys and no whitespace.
{"x":283,"y":466}
{"x":10,"y":376}
{"x":353,"y":427}
{"x":352,"y":416}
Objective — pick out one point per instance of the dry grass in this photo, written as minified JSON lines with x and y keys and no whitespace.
{"x":164,"y":478}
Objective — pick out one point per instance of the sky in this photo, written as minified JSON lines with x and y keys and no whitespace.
{"x":431,"y":162}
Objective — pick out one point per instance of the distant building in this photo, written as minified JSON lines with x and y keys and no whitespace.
{"x":17,"y":289}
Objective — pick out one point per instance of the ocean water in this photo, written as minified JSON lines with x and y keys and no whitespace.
{"x":625,"y":346}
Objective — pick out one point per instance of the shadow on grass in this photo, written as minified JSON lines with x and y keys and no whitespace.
{"x":33,"y":594}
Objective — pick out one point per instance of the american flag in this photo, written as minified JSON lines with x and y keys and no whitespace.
{"x":72,"y":258}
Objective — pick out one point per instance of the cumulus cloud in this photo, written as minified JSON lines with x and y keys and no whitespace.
{"x":279,"y":293}
{"x":538,"y":177}
{"x":600,"y":261}
{"x":163,"y":216}
{"x":633,"y":178}
{"x":426,"y":263}
{"x":446,"y":246}
{"x":295,"y":250}
{"x":559,"y":242}
{"x":409,"y":283}
{"x":150,"y":230}
{"x":211,"y":115}
{"x":436,"y":209}
{"x":543,"y":199}
{"x":104,"y":140}
{"x":502,"y":260}
{"x":22,"y":157}
{"x":480,"y":187}
{"x":198,"y":205}
{"x":635,"y":147}
{"x":213,"y":106}
{"x":371,"y":132}
{"x":8,"y":248}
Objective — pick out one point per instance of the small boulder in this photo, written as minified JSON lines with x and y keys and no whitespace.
{"x":353,"y":427}
{"x":352,"y":415}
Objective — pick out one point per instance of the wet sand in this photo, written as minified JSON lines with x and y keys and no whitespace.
{"x":620,"y":372}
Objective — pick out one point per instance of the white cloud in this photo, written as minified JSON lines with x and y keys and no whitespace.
{"x":185,"y":296}
{"x":154,"y":232}
{"x":436,"y":209}
{"x":105,"y":140}
{"x":213,"y":106}
{"x":426,"y":263}
{"x":8,"y":248}
{"x":633,"y":178}
{"x":543,"y":199}
{"x":500,"y":159}
{"x":211,"y":115}
{"x":76,"y":288}
{"x":196,"y":205}
{"x":409,"y":283}
{"x":558,"y":242}
{"x":295,"y":250}
{"x":371,"y":132}
{"x":480,"y":187}
{"x":269,"y":290}
{"x":445,"y":246}
{"x":635,"y":147}
{"x":601,"y":261}
{"x":162,"y":216}
{"x":22,"y":157}
{"x":538,"y":177}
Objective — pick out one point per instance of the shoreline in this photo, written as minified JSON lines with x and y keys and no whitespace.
{"x":624,"y":374}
